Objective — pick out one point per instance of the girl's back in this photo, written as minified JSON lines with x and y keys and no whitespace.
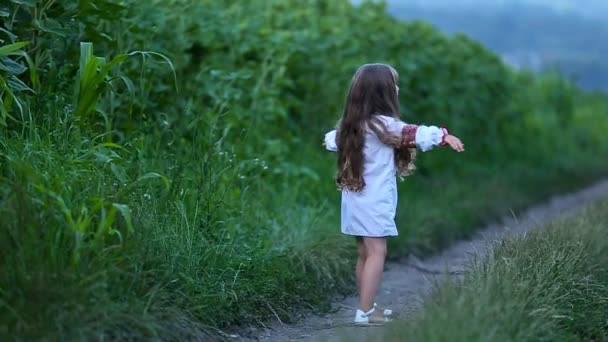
{"x":372,"y":150}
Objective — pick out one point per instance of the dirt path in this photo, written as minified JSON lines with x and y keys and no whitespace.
{"x":405,"y":282}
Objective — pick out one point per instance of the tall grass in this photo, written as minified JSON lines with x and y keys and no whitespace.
{"x":163,"y":175}
{"x":550,"y":285}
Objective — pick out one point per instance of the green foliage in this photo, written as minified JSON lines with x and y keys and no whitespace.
{"x":10,"y":84}
{"x":547,"y":286}
{"x":172,"y":180}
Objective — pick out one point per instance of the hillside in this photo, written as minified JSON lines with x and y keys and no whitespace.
{"x":537,"y":35}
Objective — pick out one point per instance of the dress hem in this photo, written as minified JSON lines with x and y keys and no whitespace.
{"x":380,"y":235}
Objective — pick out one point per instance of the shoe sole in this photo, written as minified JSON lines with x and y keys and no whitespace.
{"x":374,"y":324}
{"x":363,"y":325}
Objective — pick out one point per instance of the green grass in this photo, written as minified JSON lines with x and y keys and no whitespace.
{"x":168,"y":179}
{"x":169,"y":278}
{"x":549,"y":285}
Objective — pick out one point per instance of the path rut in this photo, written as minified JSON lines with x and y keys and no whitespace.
{"x":407,"y":281}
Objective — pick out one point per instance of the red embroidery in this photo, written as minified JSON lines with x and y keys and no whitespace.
{"x":446,"y":132}
{"x":409,"y":135}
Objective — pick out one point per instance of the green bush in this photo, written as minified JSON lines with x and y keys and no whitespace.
{"x":161,"y":166}
{"x":547,"y":286}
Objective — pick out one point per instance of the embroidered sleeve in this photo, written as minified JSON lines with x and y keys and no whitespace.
{"x":408,"y":133}
{"x":445,"y":132}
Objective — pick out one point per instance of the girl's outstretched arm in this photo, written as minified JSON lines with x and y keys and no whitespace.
{"x":427,"y":137}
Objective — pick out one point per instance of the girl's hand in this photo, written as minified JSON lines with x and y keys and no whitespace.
{"x":454,"y":143}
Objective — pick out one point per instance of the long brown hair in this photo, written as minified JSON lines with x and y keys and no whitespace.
{"x":372,"y":92}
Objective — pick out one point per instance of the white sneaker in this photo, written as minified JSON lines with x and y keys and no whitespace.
{"x":386,"y":312}
{"x":368,"y":318}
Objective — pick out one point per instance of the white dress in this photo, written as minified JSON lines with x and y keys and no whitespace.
{"x":371,"y":212}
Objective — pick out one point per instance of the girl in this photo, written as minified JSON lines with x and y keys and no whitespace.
{"x":374,"y":146}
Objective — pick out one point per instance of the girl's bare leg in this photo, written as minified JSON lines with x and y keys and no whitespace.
{"x":360,"y":262}
{"x":371,"y":274}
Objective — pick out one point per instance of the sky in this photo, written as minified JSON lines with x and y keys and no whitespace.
{"x":592,"y":8}
{"x":597,"y":9}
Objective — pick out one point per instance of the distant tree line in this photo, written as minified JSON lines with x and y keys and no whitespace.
{"x":568,"y":42}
